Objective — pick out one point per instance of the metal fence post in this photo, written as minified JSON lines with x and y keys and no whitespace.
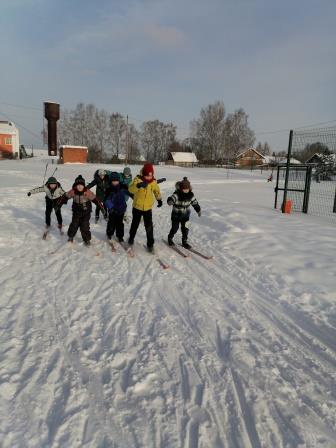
{"x":307,"y":189}
{"x":276,"y":188}
{"x":289,"y":153}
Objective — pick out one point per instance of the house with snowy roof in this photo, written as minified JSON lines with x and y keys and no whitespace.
{"x":318,"y":158}
{"x":182,"y":159}
{"x":252,"y":157}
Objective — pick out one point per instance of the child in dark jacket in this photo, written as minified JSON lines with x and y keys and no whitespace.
{"x":81,"y":209}
{"x":53,"y":191}
{"x":115,"y":204}
{"x":102,"y":181}
{"x":181,"y":200}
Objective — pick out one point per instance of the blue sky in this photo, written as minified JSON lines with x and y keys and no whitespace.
{"x":168,"y":59}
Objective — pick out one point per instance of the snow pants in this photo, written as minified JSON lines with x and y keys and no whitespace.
{"x":49,"y":208}
{"x":184,"y":229}
{"x":115,"y":224}
{"x":81,"y":220}
{"x":148,"y":221}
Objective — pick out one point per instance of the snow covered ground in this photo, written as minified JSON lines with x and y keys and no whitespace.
{"x":102,"y":350}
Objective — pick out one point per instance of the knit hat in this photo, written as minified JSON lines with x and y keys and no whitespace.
{"x":52,"y":180}
{"x":185,"y":184}
{"x":79,"y":180}
{"x":127,"y":171}
{"x":148,"y":169}
{"x":114,"y":176}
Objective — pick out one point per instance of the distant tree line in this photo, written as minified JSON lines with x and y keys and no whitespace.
{"x":214,"y":136}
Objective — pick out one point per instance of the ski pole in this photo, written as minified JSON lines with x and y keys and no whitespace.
{"x":45,"y":172}
{"x":54,"y":172}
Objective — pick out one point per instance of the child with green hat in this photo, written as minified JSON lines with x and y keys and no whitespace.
{"x":53,"y":191}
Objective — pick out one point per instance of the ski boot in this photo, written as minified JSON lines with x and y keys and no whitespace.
{"x":171,"y":242}
{"x":186,"y":245}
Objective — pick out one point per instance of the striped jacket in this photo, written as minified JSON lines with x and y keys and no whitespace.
{"x":51,"y":194}
{"x":181,"y":203}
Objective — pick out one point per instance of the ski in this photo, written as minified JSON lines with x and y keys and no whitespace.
{"x":127,"y":248}
{"x":113,"y":248}
{"x":200,"y":254}
{"x":162,"y":263}
{"x":176,"y":249}
{"x":89,"y":246}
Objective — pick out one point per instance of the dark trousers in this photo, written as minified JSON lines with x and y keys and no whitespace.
{"x":184,"y":229}
{"x":97,"y":211}
{"x":81,"y":220}
{"x":49,"y":208}
{"x":147,"y":217}
{"x":115,"y":224}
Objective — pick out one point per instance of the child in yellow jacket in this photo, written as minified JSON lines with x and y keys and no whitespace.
{"x":144,"y":188}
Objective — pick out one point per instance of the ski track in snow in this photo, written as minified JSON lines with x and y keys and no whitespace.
{"x":114,"y":351}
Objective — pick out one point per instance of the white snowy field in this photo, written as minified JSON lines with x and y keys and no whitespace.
{"x":98,"y":349}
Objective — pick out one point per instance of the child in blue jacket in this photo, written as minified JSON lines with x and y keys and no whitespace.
{"x":115,"y":204}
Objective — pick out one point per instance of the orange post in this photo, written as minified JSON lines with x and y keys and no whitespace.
{"x":288,"y":206}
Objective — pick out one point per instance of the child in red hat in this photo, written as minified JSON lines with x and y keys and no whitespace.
{"x":144,"y":189}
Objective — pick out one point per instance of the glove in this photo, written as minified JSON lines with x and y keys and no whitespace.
{"x":29,"y":193}
{"x":159,"y":203}
{"x":159,"y":181}
{"x":142,"y":184}
{"x":199,"y":213}
{"x":170,"y":202}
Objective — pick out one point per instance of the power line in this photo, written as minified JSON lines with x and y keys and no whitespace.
{"x":299,"y":127}
{"x":21,"y":126}
{"x":19,"y":106}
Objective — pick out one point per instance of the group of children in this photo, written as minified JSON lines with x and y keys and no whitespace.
{"x":113,"y":190}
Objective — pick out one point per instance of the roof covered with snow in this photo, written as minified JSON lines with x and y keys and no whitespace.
{"x":184,"y":157}
{"x":73,"y":147}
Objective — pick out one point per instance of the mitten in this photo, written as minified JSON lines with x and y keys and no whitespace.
{"x":29,"y":193}
{"x":159,"y":203}
{"x":142,"y":184}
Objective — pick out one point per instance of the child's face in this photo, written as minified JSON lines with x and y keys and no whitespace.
{"x":185,"y":190}
{"x":52,"y":186}
{"x":148,"y":177}
{"x":80,"y":187}
{"x":115,"y":183}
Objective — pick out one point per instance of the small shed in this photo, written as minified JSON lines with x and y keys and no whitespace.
{"x":182,"y":159}
{"x":73,"y":154}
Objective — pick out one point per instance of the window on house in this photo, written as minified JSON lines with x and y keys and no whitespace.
{"x":8,"y":141}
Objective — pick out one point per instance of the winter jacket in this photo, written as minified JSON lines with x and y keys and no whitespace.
{"x":101,"y":184}
{"x":126,"y":181}
{"x":81,"y":200}
{"x":181,"y":204}
{"x":51,"y":194}
{"x":115,"y":199}
{"x":143,"y":198}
